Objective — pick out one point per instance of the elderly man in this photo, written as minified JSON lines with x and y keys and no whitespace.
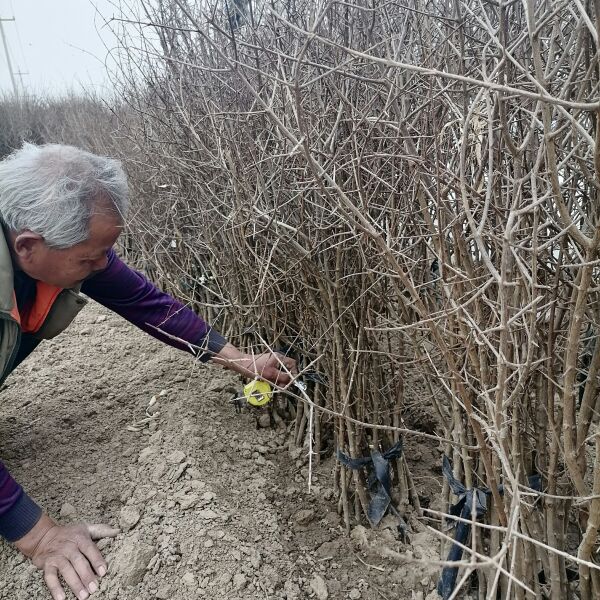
{"x":62,"y":210}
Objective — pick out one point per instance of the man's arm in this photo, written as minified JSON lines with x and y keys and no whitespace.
{"x":131,"y":295}
{"x":18,"y":512}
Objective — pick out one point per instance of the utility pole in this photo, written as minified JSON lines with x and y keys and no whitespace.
{"x":20,"y":75}
{"x":10,"y":70}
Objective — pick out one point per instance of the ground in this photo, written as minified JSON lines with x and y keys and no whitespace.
{"x":105,"y":424}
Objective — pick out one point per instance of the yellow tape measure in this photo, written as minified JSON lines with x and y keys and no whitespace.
{"x":258,"y":393}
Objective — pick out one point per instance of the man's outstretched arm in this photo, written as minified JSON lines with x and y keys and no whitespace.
{"x":131,"y":295}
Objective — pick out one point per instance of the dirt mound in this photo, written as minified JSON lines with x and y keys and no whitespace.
{"x":104,"y":424}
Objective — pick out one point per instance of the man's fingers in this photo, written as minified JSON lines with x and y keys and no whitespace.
{"x":282,"y":378}
{"x":283,"y":363}
{"x":53,"y":583}
{"x":84,"y":571}
{"x":73,"y":580}
{"x":93,"y":555}
{"x":98,"y":531}
{"x":290,"y":365}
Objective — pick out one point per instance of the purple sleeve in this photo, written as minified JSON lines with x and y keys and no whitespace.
{"x":131,"y":295}
{"x":18,"y":512}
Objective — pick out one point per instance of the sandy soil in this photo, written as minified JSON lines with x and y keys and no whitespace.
{"x":209,"y":505}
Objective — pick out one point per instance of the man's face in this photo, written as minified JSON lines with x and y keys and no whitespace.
{"x":69,"y":267}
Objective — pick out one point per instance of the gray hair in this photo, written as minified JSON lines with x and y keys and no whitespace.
{"x":53,"y":190}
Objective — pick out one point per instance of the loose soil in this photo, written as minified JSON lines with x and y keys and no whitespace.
{"x":209,"y":506}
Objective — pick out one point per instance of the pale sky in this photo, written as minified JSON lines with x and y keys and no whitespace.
{"x":61,"y":44}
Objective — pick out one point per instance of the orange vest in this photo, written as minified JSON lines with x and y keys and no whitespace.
{"x":35,"y":315}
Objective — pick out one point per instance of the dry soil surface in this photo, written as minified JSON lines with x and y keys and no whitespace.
{"x":209,"y":506}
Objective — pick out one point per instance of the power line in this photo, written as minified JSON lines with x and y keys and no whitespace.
{"x":5,"y":43}
{"x":21,"y":47}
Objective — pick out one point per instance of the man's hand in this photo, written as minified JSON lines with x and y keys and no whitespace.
{"x":67,"y":551}
{"x":271,"y":366}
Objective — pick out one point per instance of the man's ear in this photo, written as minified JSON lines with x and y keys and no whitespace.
{"x":26,"y":244}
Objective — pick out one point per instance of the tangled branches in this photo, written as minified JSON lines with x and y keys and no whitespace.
{"x":398,"y":190}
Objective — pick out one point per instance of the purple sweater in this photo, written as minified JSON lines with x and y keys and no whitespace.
{"x":131,"y":295}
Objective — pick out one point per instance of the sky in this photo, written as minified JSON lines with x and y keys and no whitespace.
{"x":62,"y":45}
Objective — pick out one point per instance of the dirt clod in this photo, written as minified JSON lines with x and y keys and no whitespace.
{"x":67,"y":511}
{"x":239,"y":581}
{"x":319,"y":587}
{"x":132,"y":559}
{"x":128,"y":517}
{"x":305,"y":516}
{"x":176,"y":457}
